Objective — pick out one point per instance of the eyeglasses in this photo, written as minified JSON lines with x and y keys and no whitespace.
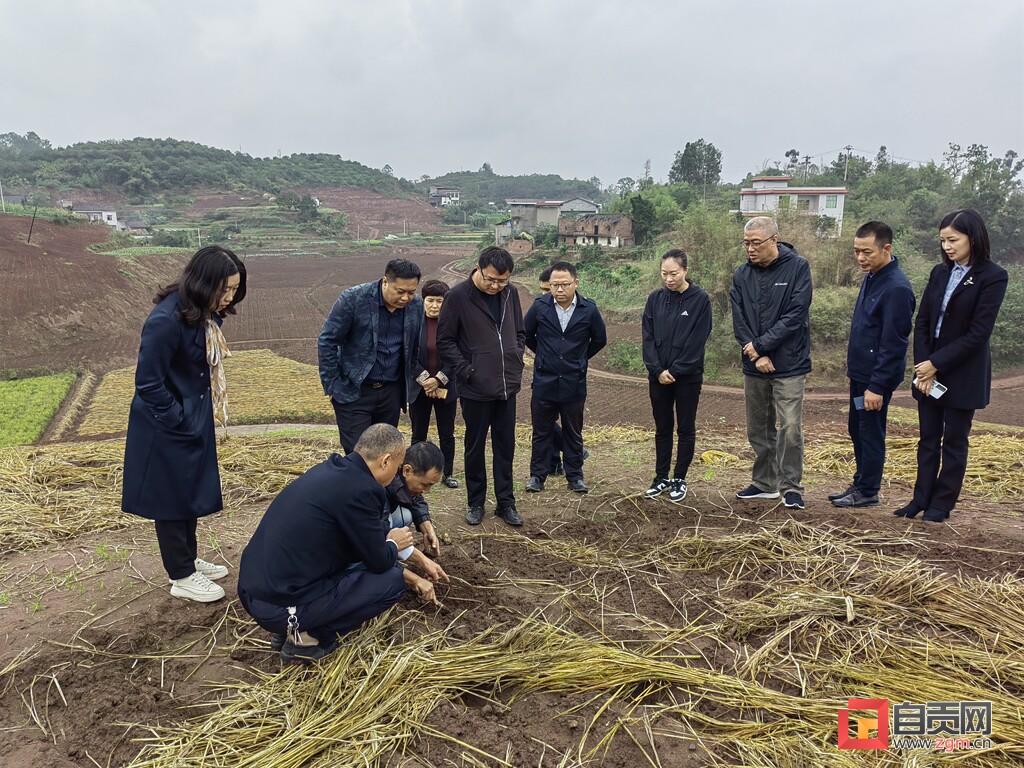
{"x":756,"y":243}
{"x":561,"y":286}
{"x":496,"y":280}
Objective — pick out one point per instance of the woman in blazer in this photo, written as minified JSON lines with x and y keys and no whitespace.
{"x":429,"y":398}
{"x":170,"y":459}
{"x":957,"y":313}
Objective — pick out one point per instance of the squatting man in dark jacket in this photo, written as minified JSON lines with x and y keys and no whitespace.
{"x":676,"y":326}
{"x":324,"y":559}
{"x":876,"y":357}
{"x":368,"y":351}
{"x":480,"y":338}
{"x":564,"y":329}
{"x":771,"y":302}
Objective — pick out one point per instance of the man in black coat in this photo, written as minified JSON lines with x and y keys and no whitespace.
{"x":480,"y":337}
{"x":368,"y":351}
{"x":771,"y":303}
{"x":564,"y":329}
{"x":876,"y":357}
{"x":324,"y":558}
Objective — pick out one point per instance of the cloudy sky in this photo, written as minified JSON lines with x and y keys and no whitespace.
{"x":575,"y":88}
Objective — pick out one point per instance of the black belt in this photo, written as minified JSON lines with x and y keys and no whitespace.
{"x":377,"y":384}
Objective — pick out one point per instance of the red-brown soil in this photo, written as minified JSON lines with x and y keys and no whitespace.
{"x":377,"y":214}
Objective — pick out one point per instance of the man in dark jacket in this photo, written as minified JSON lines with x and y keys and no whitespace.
{"x":564,"y":329}
{"x":480,"y":337}
{"x":676,"y":326}
{"x":771,"y":302}
{"x":369,"y":351}
{"x":421,"y":470}
{"x":324,"y":558}
{"x":876,"y":357}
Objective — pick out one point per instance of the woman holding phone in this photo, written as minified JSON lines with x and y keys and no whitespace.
{"x":952,"y":360}
{"x":170,"y":456}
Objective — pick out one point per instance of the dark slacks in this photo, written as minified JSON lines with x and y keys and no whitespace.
{"x":674,"y":407}
{"x":444,"y":415}
{"x":499,"y":418}
{"x":941,"y":454}
{"x":556,"y":447}
{"x":178,"y":548}
{"x":353,"y":598}
{"x":867,"y":431}
{"x":543,"y":455}
{"x":375,"y":405}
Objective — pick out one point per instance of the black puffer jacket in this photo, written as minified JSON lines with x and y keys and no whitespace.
{"x":771,"y":307}
{"x":486,"y":356}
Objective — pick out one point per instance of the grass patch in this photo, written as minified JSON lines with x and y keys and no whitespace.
{"x":28,"y":405}
{"x":626,"y":357}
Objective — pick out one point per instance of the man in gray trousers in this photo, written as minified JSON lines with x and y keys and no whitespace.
{"x":771,"y":301}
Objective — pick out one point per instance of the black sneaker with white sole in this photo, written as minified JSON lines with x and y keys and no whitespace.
{"x":658,"y":487}
{"x":753,"y":492}
{"x":793,"y":500}
{"x":678,"y":490}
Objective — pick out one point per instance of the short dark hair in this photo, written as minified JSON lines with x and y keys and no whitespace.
{"x":434,"y":288}
{"x":402,"y":269}
{"x":679,"y":256}
{"x":423,"y":457}
{"x":564,"y":266}
{"x":497,"y":257}
{"x":881,"y":231}
{"x":545,"y":275}
{"x":969,"y":222}
{"x":202,"y":281}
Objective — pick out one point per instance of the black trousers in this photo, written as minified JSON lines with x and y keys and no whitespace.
{"x":543,"y":413}
{"x":178,"y":548}
{"x":675,"y":411}
{"x":941,"y":454}
{"x":444,"y":413}
{"x":499,"y":418}
{"x":351,"y":599}
{"x":376,"y":405}
{"x":867,"y":431}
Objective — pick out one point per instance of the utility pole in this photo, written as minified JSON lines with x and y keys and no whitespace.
{"x":199,"y":235}
{"x":846,"y":170}
{"x":2,"y":203}
{"x":32,"y":225}
{"x":807,"y":166}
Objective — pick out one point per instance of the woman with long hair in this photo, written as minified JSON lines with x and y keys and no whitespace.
{"x":170,"y":461}
{"x":952,"y":360}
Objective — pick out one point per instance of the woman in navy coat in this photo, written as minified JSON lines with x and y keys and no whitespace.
{"x":170,"y":461}
{"x":957,"y":313}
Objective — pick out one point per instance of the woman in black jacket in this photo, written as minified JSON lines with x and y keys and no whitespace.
{"x":957,"y":313}
{"x":676,"y":326}
{"x":437,"y":390}
{"x":170,"y":455}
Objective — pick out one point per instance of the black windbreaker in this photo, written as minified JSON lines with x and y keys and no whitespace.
{"x":771,"y":307}
{"x":676,"y":327}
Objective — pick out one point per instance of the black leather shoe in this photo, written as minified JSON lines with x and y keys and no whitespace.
{"x":450,"y":482}
{"x":847,"y":492}
{"x":908,"y":510}
{"x":306,"y":654}
{"x":856,"y":499}
{"x":578,"y":486}
{"x":534,"y":484}
{"x":475,"y":515}
{"x":935,"y":516}
{"x":510,"y":515}
{"x":276,"y":642}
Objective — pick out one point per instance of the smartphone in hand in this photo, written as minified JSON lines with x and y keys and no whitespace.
{"x":858,"y":403}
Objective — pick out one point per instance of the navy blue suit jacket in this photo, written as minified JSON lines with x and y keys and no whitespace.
{"x":560,"y":365}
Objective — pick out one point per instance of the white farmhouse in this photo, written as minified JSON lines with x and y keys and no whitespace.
{"x":768,"y":194}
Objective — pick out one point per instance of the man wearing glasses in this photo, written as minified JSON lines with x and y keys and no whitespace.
{"x":480,"y":337}
{"x":771,"y":301}
{"x":565,"y":330}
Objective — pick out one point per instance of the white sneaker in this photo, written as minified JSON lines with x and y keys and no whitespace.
{"x":212,"y":571}
{"x":198,"y":588}
{"x":678,"y":491}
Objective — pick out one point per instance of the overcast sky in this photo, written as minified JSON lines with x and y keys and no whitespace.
{"x":575,"y":88}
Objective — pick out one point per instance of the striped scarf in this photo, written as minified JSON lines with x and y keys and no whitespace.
{"x":216,"y":351}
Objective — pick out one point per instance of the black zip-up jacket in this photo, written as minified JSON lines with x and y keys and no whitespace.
{"x":399,"y":495}
{"x":883,"y":317}
{"x":486,"y":356}
{"x":771,"y":307}
{"x":676,"y":327}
